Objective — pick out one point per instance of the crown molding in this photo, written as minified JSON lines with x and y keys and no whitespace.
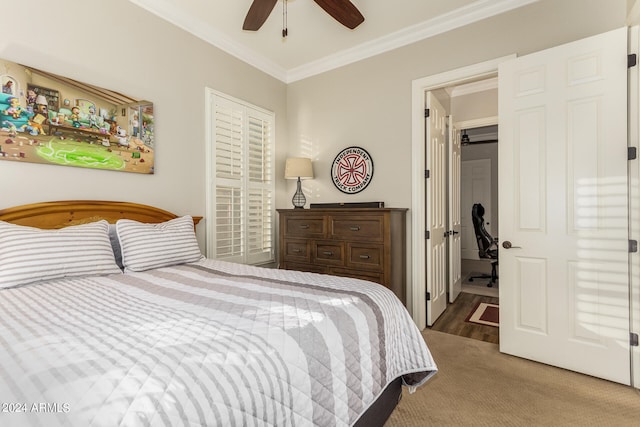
{"x":460,"y":17}
{"x":474,"y":12}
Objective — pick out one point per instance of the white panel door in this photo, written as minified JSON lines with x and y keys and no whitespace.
{"x":564,"y":291}
{"x":455,"y":226}
{"x":436,"y":208}
{"x":476,"y":188}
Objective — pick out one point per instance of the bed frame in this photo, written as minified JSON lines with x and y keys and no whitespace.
{"x":51,"y":215}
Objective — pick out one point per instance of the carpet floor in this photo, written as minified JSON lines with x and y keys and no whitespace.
{"x":478,"y":386}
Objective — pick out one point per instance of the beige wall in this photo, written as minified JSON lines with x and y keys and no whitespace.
{"x":474,"y":106}
{"x":119,"y":46}
{"x":116,"y":45}
{"x":368,"y":103}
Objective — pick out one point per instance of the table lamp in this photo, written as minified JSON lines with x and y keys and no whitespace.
{"x":298,"y":168}
{"x":41,"y":104}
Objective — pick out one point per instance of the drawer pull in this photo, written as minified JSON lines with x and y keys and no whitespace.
{"x":296,"y":251}
{"x":305,"y":226}
{"x":354,"y":228}
{"x":327,"y":253}
{"x":364,"y":257}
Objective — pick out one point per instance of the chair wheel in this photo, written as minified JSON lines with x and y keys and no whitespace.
{"x":490,"y":285}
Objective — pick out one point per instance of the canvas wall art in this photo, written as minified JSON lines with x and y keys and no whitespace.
{"x":50,"y":119}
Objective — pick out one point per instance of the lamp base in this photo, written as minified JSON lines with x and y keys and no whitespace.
{"x":298,"y":199}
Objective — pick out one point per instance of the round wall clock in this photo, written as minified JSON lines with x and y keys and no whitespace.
{"x":352,"y":170}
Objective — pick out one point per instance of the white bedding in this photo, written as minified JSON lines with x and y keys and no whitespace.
{"x":208,"y":343}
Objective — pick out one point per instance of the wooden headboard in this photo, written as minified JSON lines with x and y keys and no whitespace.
{"x":50,"y":215}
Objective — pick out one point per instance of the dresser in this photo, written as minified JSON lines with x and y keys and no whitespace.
{"x":364,"y":243}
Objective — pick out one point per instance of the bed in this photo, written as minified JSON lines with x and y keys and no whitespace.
{"x":142,"y":330}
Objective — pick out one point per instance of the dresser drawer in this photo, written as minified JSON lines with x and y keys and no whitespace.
{"x":307,"y":226}
{"x":369,"y":257}
{"x":296,"y":250}
{"x":328,"y":253}
{"x":369,"y":228}
{"x":363,"y":243}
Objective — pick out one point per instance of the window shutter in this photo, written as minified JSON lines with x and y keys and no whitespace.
{"x":243,"y":187}
{"x":260,"y":183}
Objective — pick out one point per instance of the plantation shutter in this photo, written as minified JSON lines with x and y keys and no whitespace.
{"x":243,"y":184}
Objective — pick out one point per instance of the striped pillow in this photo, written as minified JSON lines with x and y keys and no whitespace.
{"x":29,"y":254}
{"x":146,"y":246}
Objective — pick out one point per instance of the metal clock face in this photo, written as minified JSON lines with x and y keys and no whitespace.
{"x":352,"y":170}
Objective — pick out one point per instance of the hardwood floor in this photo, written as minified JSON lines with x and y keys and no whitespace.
{"x":453,"y":321}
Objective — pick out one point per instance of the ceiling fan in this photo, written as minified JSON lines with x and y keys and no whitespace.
{"x":342,"y":11}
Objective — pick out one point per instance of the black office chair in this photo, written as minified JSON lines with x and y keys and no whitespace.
{"x":487,"y":247}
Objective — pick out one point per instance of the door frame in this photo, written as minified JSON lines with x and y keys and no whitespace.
{"x":419,"y":87}
{"x":633,"y":135}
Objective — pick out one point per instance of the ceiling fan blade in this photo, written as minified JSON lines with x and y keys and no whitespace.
{"x":342,"y":11}
{"x":258,"y":13}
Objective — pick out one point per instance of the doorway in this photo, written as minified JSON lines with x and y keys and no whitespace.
{"x":459,"y":76}
{"x":479,"y":186}
{"x":477,"y":178}
{"x":461,"y":156}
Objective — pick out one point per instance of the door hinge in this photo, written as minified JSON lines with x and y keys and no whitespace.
{"x":427,"y":234}
{"x":633,"y":246}
{"x":429,"y":298}
{"x":632,"y":153}
{"x":633,"y":339}
{"x":632,"y":60}
{"x":427,"y":112}
{"x":427,"y":173}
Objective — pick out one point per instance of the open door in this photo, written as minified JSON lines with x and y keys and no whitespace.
{"x":455,"y":225}
{"x":436,"y":208}
{"x":564,"y":285}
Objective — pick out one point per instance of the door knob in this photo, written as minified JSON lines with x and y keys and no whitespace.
{"x":507,"y":245}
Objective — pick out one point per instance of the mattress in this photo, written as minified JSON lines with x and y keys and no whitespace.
{"x":209,"y":343}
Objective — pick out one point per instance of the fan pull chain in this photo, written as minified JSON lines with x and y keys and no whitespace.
{"x":285,"y":30}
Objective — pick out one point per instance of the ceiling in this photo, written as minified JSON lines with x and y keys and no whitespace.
{"x":316,"y":42}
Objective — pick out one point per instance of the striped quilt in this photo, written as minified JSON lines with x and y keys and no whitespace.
{"x":202,"y":344}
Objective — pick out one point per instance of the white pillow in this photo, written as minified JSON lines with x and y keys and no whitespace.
{"x":29,"y":254}
{"x":145,"y":246}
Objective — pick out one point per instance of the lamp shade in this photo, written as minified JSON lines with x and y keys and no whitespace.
{"x":41,"y":100}
{"x":298,"y":167}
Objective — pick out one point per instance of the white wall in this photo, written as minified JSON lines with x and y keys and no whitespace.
{"x":116,"y":45}
{"x":474,"y":106}
{"x":368,"y":103}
